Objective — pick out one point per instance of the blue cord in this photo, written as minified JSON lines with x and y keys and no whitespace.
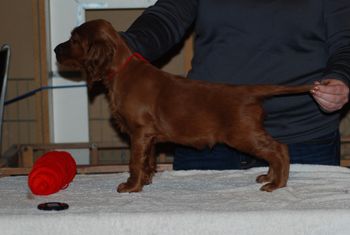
{"x":33,"y":92}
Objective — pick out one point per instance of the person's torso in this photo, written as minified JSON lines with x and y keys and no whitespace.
{"x":266,"y":42}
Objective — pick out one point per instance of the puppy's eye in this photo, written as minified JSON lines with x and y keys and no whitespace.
{"x":74,"y":41}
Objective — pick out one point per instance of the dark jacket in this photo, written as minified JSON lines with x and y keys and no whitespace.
{"x":258,"y":42}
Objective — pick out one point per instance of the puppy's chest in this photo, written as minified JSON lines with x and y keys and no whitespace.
{"x":114,"y":100}
{"x":120,"y":122}
{"x":114,"y":106}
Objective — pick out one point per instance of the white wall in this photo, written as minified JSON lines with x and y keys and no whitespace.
{"x":69,"y":107}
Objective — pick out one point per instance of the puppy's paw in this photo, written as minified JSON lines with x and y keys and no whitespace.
{"x":269,"y":187}
{"x":147,"y":180}
{"x":263,"y":179}
{"x":147,"y":177}
{"x":129,"y":188}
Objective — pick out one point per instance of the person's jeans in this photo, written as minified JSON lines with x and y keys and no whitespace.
{"x":322,"y":151}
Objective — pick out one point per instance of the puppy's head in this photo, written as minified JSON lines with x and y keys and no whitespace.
{"x":91,"y":48}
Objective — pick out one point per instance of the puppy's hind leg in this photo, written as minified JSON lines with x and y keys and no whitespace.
{"x":262,"y":145}
{"x":278,"y":159}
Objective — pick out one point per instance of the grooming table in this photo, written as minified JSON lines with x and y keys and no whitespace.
{"x":316,"y":201}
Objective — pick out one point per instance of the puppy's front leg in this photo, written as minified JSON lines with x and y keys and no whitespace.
{"x":150,"y":165}
{"x":136,"y":180}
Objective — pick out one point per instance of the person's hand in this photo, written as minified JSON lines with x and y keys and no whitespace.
{"x":331,"y":94}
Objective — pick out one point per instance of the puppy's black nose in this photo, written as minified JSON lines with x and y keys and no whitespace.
{"x":57,"y":49}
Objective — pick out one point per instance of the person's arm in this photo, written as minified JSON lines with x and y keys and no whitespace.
{"x":335,"y":94}
{"x":161,"y":27}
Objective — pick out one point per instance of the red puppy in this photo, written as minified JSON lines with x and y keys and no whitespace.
{"x":153,"y":106}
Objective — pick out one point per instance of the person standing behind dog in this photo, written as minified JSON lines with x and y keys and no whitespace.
{"x":261,"y":42}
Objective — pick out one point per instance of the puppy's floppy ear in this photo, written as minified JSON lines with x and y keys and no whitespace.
{"x":99,"y":59}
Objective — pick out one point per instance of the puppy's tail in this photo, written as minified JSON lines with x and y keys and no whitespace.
{"x":273,"y":90}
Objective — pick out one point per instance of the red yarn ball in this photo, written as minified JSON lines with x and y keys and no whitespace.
{"x":52,"y":172}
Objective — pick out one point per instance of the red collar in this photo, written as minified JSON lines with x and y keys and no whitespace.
{"x":126,"y":62}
